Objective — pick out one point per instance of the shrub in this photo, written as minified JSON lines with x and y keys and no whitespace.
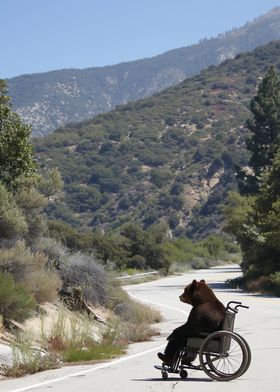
{"x":15,"y":301}
{"x":29,"y":269}
{"x":275,"y":279}
{"x":44,"y":285}
{"x":78,"y":269}
{"x":12,"y":220}
{"x":137,"y":262}
{"x":20,"y":261}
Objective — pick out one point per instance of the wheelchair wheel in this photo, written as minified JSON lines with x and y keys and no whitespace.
{"x":249,"y":354}
{"x":224,"y":356}
{"x":164,"y":374}
{"x":183,"y":374}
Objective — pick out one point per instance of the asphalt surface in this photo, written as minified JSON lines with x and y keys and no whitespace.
{"x":260,"y":326}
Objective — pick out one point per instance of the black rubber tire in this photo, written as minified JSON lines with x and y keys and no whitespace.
{"x":227,"y":370}
{"x":183,"y":374}
{"x":164,"y":374}
{"x":249,"y":354}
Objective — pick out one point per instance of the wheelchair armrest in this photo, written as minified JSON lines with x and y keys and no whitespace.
{"x":203,"y":335}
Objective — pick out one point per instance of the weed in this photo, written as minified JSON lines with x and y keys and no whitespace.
{"x":100,"y":351}
{"x":28,"y":359}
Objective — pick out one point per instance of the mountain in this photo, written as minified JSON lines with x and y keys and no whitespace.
{"x":170,"y":157}
{"x":52,"y":99}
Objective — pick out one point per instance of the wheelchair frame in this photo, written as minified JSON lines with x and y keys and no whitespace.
{"x":223,"y":355}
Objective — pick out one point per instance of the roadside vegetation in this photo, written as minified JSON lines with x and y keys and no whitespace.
{"x":74,"y":268}
{"x":253,"y":213}
{"x":36,"y":269}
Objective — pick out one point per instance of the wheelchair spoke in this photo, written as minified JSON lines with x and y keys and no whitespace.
{"x":231,"y":358}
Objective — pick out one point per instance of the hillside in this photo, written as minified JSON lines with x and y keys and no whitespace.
{"x":52,"y":99}
{"x":169,"y":157}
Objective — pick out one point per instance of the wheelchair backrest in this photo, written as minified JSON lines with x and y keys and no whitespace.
{"x":228,"y":322}
{"x":219,"y":345}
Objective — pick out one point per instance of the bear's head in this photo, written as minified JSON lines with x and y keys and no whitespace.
{"x":196,"y":293}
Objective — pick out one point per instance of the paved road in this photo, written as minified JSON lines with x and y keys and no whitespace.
{"x":260,"y":326}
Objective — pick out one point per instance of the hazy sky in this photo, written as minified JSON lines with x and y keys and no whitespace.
{"x":43,"y":35}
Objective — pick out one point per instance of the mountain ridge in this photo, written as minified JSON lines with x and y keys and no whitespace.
{"x":52,"y":99}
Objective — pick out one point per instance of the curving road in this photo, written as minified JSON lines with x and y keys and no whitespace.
{"x":260,"y":325}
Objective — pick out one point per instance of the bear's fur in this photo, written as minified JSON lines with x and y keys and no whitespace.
{"x":207,"y":315}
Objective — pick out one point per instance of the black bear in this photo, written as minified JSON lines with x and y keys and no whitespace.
{"x":206,"y":315}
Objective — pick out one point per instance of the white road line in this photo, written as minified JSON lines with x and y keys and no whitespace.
{"x":93,"y":369}
{"x":158,"y":304}
{"x":107,"y":364}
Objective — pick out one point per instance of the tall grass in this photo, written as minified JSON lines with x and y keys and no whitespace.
{"x":135,"y":318}
{"x":74,"y":337}
{"x":28,"y":359}
{"x":69,"y":329}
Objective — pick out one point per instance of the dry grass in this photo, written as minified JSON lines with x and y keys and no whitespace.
{"x":75,"y":339}
{"x":1,"y":324}
{"x":28,"y":359}
{"x":69,"y":330}
{"x":30,"y":366}
{"x":44,"y":285}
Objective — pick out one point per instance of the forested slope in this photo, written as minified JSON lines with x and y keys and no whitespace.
{"x":170,"y":157}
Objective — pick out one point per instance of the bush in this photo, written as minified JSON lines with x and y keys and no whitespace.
{"x":12,"y":220}
{"x":29,"y":269}
{"x":44,"y":285}
{"x":275,"y":279}
{"x":262,"y":283}
{"x":137,"y":262}
{"x":16,"y":302}
{"x":83,"y":270}
{"x":78,"y":269}
{"x":20,"y":261}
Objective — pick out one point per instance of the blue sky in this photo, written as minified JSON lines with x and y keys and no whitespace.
{"x":43,"y":35}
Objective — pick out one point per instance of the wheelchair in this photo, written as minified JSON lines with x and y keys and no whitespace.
{"x":223,"y":355}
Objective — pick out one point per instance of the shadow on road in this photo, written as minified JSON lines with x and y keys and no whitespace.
{"x":172,"y":379}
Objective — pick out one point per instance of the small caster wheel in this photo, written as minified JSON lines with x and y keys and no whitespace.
{"x":183,"y":374}
{"x":164,"y":374}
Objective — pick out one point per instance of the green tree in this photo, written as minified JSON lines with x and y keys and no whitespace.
{"x":255,"y":221}
{"x":265,"y":131}
{"x":16,"y":155}
{"x":146,"y":244}
{"x":267,"y":219}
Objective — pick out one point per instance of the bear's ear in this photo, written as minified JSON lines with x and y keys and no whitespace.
{"x":193,"y":285}
{"x":202,"y":281}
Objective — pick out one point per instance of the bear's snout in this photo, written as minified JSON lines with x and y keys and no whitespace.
{"x":181,"y":297}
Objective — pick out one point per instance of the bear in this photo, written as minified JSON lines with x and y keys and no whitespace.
{"x":207,"y":315}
